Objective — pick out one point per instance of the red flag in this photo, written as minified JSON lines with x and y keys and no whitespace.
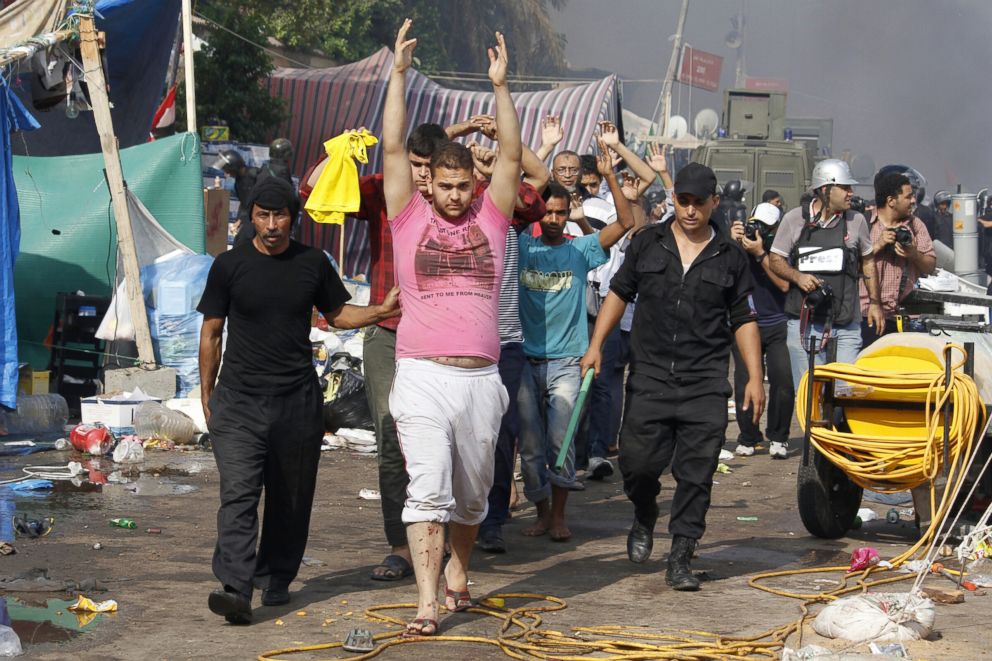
{"x":166,"y":113}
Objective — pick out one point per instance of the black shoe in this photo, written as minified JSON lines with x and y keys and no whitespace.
{"x":640,"y":541}
{"x":491,"y":540}
{"x":275,"y":596}
{"x":679,"y":576}
{"x":234,"y":606}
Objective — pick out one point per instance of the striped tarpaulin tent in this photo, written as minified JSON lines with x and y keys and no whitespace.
{"x":324,"y":102}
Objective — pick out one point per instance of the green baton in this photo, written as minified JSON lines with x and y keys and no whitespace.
{"x":573,"y":423}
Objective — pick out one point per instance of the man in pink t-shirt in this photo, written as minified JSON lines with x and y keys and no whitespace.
{"x":447,"y":397}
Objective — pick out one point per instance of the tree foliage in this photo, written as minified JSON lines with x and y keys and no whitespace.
{"x":230,"y":75}
{"x":452,"y":36}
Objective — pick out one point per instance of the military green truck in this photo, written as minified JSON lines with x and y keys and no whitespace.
{"x":778,"y":164}
{"x":755,"y":149}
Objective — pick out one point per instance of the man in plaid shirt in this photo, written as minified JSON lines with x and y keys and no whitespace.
{"x":900,"y":258}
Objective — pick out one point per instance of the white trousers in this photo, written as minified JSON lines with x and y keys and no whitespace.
{"x":447,"y":420}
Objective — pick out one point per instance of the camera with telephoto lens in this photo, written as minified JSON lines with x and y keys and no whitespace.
{"x":859,"y":204}
{"x":903,"y":236}
{"x":819,"y":296}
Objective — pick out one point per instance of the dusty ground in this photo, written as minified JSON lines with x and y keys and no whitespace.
{"x":161,"y":581}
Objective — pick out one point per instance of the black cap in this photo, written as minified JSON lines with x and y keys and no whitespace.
{"x":272,"y":194}
{"x":695,"y":179}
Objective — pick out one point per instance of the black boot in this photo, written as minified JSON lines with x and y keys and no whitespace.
{"x":640,"y":539}
{"x":679,"y":576}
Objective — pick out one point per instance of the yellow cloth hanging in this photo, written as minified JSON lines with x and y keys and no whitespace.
{"x":336,"y":191}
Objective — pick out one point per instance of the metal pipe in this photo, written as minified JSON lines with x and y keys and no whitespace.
{"x":964,"y":209}
{"x":188,"y":62}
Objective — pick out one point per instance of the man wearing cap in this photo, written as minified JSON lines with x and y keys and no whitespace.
{"x":553,"y":273}
{"x":265,"y":412}
{"x":769,"y":301}
{"x":693,"y":287}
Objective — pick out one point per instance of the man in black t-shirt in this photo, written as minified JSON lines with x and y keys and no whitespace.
{"x":265,"y":413}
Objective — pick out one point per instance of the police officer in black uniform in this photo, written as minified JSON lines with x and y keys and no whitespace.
{"x":693,"y":288}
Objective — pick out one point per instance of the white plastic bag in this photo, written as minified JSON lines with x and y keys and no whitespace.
{"x":10,"y":644}
{"x":881,"y":616}
{"x":129,"y":451}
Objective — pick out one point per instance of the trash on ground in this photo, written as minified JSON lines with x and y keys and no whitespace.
{"x":867,"y":514}
{"x":879,"y":616}
{"x":123,"y":522}
{"x":863,"y":558}
{"x":356,"y":440}
{"x":154,"y":420}
{"x":7,"y":549}
{"x":723,"y":468}
{"x":62,"y":444}
{"x":346,"y":405}
{"x":129,"y":451}
{"x":898,"y":650}
{"x":312,"y":562}
{"x":89,"y":606}
{"x":359,"y":641}
{"x":92,"y":439}
{"x":943,"y":595}
{"x":10,"y":644}
{"x":32,"y":528}
{"x":369,"y":494}
{"x":747,"y":518}
{"x":30,"y":485}
{"x":153,"y":531}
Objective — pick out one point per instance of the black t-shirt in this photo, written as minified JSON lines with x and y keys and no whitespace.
{"x":267,"y":300}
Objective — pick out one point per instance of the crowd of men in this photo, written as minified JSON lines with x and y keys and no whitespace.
{"x":497,"y":284}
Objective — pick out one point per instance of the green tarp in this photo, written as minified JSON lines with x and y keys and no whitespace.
{"x":68,"y":239}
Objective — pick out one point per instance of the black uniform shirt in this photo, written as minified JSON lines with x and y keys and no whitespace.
{"x":683,"y":323}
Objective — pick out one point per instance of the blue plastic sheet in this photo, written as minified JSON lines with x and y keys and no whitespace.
{"x":13,"y":117}
{"x":176,"y":337}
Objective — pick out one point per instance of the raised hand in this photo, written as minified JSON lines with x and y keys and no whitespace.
{"x":604,"y":160}
{"x":657,"y":157}
{"x":483,"y":158}
{"x":609,"y":133}
{"x":485,"y":124}
{"x":498,"y":62}
{"x":551,"y":131}
{"x":631,"y":185}
{"x":403,"y":50}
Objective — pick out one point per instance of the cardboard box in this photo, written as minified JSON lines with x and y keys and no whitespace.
{"x":216,"y":210}
{"x":31,"y":382}
{"x":117,"y":415}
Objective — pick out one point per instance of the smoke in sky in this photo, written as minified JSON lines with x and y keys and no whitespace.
{"x":903,"y":80}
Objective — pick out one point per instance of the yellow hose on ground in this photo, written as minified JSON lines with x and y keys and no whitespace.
{"x":880,"y":463}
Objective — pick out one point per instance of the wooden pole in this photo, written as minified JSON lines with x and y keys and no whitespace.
{"x":665,"y":100}
{"x":188,"y":66}
{"x":93,"y":70}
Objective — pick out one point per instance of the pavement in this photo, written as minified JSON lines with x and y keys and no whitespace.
{"x":161,"y":580}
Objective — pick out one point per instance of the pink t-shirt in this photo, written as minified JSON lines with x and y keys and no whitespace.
{"x":449,"y":276}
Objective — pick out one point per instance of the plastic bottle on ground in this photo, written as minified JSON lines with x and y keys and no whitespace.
{"x":10,"y":644}
{"x":36,"y":414}
{"x":154,"y":420}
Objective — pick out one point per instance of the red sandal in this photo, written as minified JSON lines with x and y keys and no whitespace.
{"x":463,"y":600}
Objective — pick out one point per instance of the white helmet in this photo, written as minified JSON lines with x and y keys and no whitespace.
{"x":831,"y":171}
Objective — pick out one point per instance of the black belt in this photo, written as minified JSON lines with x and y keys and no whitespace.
{"x":533,"y":360}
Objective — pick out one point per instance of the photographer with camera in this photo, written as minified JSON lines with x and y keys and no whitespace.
{"x":818,"y":249}
{"x":901,"y":248}
{"x":756,"y":236}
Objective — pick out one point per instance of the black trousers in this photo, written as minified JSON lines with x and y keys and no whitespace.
{"x":781,"y":392}
{"x":678,"y":422}
{"x":271,"y":443}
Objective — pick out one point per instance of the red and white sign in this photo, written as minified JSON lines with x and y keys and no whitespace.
{"x":766,"y":84}
{"x":700,"y":69}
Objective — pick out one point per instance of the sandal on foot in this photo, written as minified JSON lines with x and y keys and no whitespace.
{"x":463,"y":600}
{"x":416,"y":627}
{"x":392,"y":568}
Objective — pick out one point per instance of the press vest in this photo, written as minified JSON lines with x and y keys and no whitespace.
{"x":814,"y":240}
